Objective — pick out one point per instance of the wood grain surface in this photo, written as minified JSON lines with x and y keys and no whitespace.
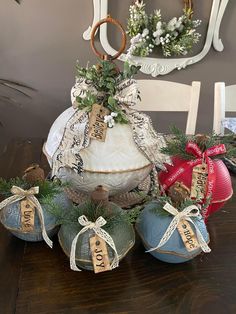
{"x":37,"y":280}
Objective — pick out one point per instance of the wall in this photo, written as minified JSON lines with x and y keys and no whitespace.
{"x":40,"y":42}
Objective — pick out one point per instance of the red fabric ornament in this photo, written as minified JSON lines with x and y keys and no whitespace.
{"x":219,"y":185}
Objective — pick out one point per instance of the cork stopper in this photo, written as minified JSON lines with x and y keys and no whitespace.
{"x":100,"y":195}
{"x":34,"y":174}
{"x":178,"y":193}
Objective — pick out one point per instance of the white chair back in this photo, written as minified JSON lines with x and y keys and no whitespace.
{"x":157,"y":95}
{"x":224,"y":101}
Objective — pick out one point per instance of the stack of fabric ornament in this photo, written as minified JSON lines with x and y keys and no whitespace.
{"x":173,"y":226}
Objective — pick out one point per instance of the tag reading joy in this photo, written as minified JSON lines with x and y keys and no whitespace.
{"x":199,"y":181}
{"x":97,"y":126}
{"x":99,"y":253}
{"x":27,"y":215}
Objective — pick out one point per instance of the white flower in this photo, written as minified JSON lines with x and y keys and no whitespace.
{"x":139,"y":4}
{"x":196,"y":23}
{"x":172,"y":24}
{"x":191,"y":31}
{"x":157,"y":13}
{"x":159,"y":25}
{"x":178,"y":24}
{"x":158,"y":33}
{"x":109,"y":119}
{"x":145,"y":32}
{"x":114,"y":114}
{"x":134,"y":40}
{"x":157,"y":41}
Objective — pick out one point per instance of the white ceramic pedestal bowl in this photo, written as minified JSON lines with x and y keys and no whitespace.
{"x":116,"y":163}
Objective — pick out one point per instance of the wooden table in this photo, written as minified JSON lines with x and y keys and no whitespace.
{"x":36,"y":279}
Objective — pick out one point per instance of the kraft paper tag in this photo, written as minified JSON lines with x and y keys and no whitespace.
{"x":99,"y":253}
{"x":188,"y":236}
{"x":199,"y":181}
{"x":97,"y":126}
{"x":27,"y":215}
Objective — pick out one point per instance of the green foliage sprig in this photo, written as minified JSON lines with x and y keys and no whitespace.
{"x":162,"y":200}
{"x":104,"y":77}
{"x":47,"y":189}
{"x":149,"y":33}
{"x":176,"y":146}
{"x":92,"y":211}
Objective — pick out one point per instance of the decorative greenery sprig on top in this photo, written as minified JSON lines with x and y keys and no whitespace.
{"x":176,"y":145}
{"x":92,"y":211}
{"x":162,"y":200}
{"x":149,"y":33}
{"x":104,"y":77}
{"x":47,"y":189}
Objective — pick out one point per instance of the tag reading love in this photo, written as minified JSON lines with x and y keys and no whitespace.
{"x":188,"y":236}
{"x":99,"y":253}
{"x":199,"y":181}
{"x":97,"y":126}
{"x":27,"y":215}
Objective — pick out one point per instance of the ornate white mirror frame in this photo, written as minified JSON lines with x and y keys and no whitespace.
{"x":162,"y":66}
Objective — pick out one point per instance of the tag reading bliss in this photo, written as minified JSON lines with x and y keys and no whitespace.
{"x":27,"y":215}
{"x":199,"y":181}
{"x":188,"y":236}
{"x":99,"y":252}
{"x":97,"y":126}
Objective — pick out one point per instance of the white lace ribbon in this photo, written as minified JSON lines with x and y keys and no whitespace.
{"x":97,"y":228}
{"x":186,"y":214}
{"x":20,"y":194}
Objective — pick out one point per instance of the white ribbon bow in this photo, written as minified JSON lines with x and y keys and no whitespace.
{"x":97,"y":228}
{"x":186,"y":214}
{"x":20,"y":194}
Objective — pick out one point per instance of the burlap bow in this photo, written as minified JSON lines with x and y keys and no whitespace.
{"x":187,"y":214}
{"x":20,"y":194}
{"x":97,"y":228}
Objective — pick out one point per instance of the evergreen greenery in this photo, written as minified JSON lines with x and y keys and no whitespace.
{"x":176,"y":146}
{"x":47,"y":189}
{"x":162,"y":200}
{"x":104,"y":77}
{"x":92,"y":211}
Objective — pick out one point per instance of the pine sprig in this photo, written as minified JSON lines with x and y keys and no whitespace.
{"x":47,"y":189}
{"x":92,"y":212}
{"x":176,"y":146}
{"x":162,"y":200}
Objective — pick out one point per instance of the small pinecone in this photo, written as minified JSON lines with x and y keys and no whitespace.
{"x":201,"y":140}
{"x":178,"y":193}
{"x":34,"y":174}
